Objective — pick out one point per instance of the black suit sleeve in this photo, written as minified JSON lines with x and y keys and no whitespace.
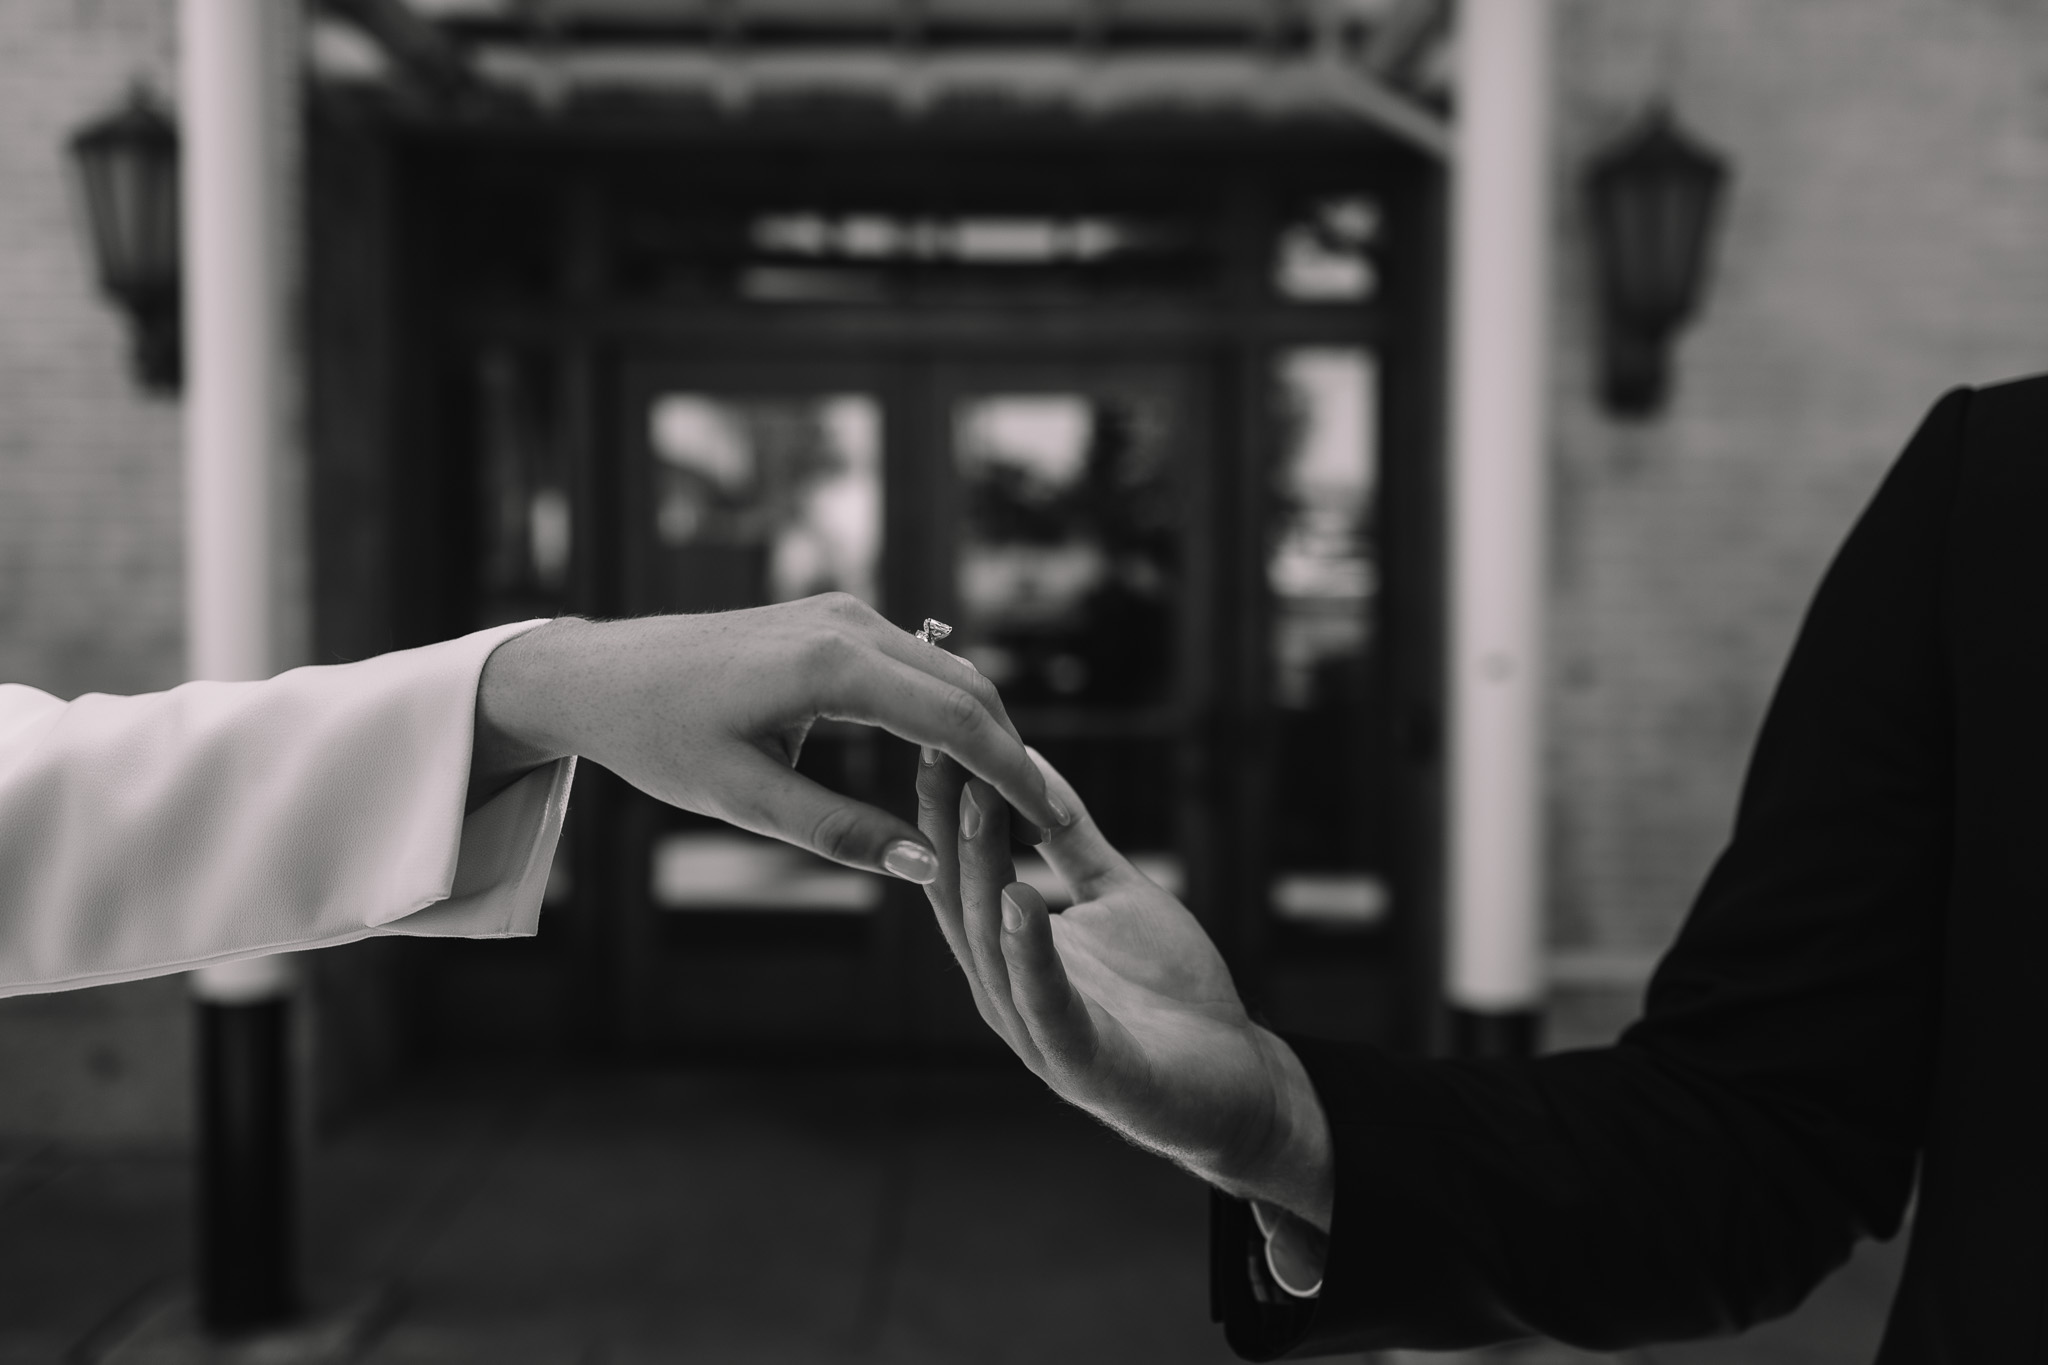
{"x":1709,"y":1169}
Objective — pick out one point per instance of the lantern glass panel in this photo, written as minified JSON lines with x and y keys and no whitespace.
{"x":1654,"y":204}
{"x":128,"y":169}
{"x":142,"y":216}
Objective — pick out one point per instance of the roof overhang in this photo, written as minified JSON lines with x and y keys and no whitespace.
{"x":1369,"y":64}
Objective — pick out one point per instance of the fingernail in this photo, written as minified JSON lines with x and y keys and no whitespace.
{"x":1013,"y":914}
{"x":1059,"y":809}
{"x":912,"y":862}
{"x":970,"y":815}
{"x":927,"y":756}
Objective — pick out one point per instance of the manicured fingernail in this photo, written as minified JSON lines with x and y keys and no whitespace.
{"x":1059,"y":809}
{"x":1013,"y":914}
{"x":927,"y":755}
{"x":970,"y":814}
{"x":912,"y":862}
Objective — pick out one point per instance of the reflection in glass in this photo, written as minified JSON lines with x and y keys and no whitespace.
{"x":1068,"y":550}
{"x":983,"y":240}
{"x":1325,"y":254}
{"x":766,"y":498}
{"x":723,"y":869}
{"x":808,"y":255}
{"x":1320,"y":565}
{"x":1322,"y":573}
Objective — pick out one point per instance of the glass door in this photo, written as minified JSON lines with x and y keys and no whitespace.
{"x":1048,"y":511}
{"x":1323,"y":569}
{"x":748,"y":485}
{"x":1060,"y":514}
{"x":1080,"y":581}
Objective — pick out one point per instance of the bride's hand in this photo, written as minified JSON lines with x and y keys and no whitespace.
{"x":709,"y":712}
{"x":1122,"y":1004}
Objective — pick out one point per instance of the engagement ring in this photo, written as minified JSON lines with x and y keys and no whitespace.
{"x":933,"y":630}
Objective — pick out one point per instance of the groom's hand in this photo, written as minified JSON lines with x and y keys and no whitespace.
{"x":1121,"y":1003}
{"x":709,"y":712}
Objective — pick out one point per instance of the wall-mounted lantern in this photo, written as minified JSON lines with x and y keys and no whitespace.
{"x":1655,"y":197}
{"x":128,"y":170}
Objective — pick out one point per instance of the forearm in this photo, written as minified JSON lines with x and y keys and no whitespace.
{"x":215,"y":821}
{"x":1292,"y":1186}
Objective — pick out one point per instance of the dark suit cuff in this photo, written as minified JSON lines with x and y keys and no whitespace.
{"x":1379,"y":1271}
{"x":1260,"y":1320}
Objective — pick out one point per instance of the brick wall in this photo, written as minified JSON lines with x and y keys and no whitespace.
{"x":90,"y":587}
{"x":1887,"y":238}
{"x":89,"y":479}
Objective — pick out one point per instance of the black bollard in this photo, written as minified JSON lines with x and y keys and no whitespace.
{"x":248,"y":1262}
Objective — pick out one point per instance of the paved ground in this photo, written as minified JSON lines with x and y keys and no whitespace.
{"x":780,"y":1217}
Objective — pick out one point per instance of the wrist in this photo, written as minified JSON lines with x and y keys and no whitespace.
{"x":1293,"y":1167}
{"x":521,"y":719}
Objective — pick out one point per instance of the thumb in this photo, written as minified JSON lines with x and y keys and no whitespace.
{"x":784,"y":805}
{"x":1085,"y":860}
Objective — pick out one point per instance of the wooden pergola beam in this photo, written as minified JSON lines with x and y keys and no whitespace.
{"x":425,"y":55}
{"x":1402,"y":36}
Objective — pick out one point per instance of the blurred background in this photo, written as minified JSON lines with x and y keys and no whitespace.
{"x":1117,"y":333}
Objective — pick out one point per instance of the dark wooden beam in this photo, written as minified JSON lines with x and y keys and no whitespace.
{"x":1402,"y":37}
{"x":421,"y":52}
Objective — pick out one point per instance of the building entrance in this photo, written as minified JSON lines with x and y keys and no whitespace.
{"x":1147,"y":415}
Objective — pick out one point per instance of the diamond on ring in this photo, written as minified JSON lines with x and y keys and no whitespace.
{"x":933,"y":630}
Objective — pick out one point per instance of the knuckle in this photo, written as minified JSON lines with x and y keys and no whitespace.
{"x":837,"y":834}
{"x":961,"y":709}
{"x":933,"y":794}
{"x":844,"y":606}
{"x":980,"y":688}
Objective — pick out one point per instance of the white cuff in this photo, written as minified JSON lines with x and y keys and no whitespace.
{"x":1295,"y":1250}
{"x":501,"y":869}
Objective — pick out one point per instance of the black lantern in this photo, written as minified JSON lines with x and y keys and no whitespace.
{"x":1655,"y":196}
{"x":128,"y":169}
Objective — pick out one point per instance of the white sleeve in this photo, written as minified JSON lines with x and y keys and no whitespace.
{"x":219,"y":821}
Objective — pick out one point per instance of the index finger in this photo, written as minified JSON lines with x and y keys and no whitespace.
{"x":928,"y":711}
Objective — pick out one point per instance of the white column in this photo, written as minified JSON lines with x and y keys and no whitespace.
{"x":234,"y":332}
{"x":1498,"y":496}
{"x":235,"y":100}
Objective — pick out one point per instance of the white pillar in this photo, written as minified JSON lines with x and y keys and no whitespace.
{"x":235,"y":100}
{"x":1499,"y":503}
{"x":234,"y":332}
